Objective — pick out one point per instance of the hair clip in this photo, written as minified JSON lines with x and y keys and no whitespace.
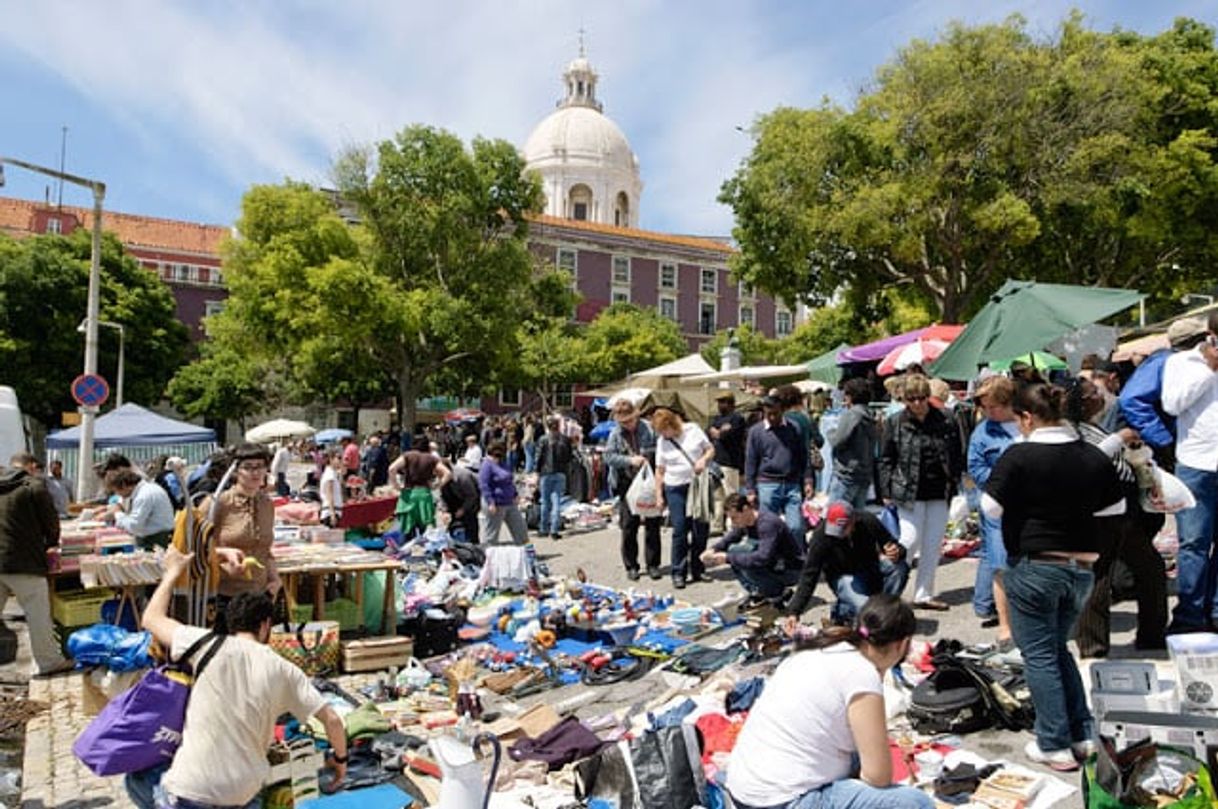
{"x":863,"y":632}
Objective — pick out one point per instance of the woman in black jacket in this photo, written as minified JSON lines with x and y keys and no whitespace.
{"x":1048,"y":491}
{"x":920,"y":465}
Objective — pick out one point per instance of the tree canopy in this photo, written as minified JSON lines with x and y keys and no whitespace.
{"x":625,"y":339}
{"x":1085,"y":158}
{"x":43,"y":290}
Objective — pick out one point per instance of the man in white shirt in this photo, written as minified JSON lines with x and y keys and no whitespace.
{"x":279,"y":470}
{"x":473,"y":453}
{"x":230,"y":720}
{"x":1190,"y":393}
{"x":148,"y":515}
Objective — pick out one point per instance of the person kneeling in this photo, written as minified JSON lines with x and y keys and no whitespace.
{"x":858,"y":557}
{"x":792,"y":751}
{"x":765,"y":556}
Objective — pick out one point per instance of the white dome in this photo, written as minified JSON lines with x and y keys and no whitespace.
{"x":579,"y":136}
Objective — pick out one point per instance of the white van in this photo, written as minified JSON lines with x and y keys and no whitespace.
{"x":12,"y":426}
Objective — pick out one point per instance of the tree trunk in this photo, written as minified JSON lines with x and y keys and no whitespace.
{"x":409,"y":391}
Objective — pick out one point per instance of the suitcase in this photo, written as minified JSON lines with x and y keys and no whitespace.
{"x":376,"y":654}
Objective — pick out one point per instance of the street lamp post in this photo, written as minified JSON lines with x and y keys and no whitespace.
{"x":87,"y":414}
{"x":122,"y":362}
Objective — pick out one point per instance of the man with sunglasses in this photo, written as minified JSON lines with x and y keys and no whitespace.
{"x":631,"y":445}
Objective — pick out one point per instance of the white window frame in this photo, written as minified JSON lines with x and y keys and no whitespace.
{"x":183,"y":273}
{"x":752,"y":318}
{"x":714,"y":305}
{"x":513,"y":401}
{"x":675,"y":317}
{"x":54,"y":226}
{"x":212,"y":308}
{"x":714,"y":275}
{"x":621,"y":262}
{"x":745,"y":291}
{"x":669,"y":265}
{"x":564,"y":396}
{"x":778,"y":330}
{"x":574,"y":254}
{"x":619,"y":295}
{"x":217,"y":278}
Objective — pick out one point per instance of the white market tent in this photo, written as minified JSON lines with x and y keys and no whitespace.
{"x":752,"y":372}
{"x":277,"y":429}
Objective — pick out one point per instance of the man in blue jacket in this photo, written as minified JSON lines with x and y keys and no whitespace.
{"x":765,"y":556}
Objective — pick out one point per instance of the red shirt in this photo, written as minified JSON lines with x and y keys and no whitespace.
{"x":351,"y":457}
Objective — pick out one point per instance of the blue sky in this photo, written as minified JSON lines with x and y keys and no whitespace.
{"x":181,"y":106}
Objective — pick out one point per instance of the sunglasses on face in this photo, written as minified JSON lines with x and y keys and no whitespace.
{"x":252,"y":467}
{"x":915,"y":399}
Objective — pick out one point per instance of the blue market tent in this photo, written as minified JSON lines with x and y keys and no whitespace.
{"x":332,"y":435}
{"x":139,"y":434}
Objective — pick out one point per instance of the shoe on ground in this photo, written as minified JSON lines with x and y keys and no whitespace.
{"x":632,"y":574}
{"x":59,"y":668}
{"x":932,"y":604}
{"x":1083,"y":750}
{"x":989,"y":622}
{"x":679,"y":583}
{"x":555,"y":536}
{"x":654,"y":573}
{"x":1060,"y":760}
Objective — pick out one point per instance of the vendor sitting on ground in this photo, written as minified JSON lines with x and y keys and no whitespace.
{"x":764,"y":554}
{"x":859,"y":559}
{"x":793,"y":751}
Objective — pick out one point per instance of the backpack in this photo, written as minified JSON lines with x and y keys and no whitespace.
{"x":961,"y":696}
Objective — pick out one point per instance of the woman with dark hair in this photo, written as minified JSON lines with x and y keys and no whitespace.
{"x":245,"y":521}
{"x":499,"y":498}
{"x":1127,"y":537}
{"x":792,"y":751}
{"x":853,"y":445}
{"x":1048,"y":491}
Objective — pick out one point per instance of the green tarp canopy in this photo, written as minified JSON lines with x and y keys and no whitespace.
{"x":1026,"y":316}
{"x":825,"y":368}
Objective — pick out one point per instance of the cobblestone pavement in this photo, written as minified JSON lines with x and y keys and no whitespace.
{"x":53,"y":779}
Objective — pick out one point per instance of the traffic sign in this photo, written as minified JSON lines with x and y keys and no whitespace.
{"x":90,"y":390}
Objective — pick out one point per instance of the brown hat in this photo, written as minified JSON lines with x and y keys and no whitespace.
{"x":725,"y":396}
{"x":1185,"y":330}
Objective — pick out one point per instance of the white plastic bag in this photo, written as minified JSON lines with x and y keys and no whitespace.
{"x":957,"y":512}
{"x":1173,"y":495}
{"x":641,"y":496}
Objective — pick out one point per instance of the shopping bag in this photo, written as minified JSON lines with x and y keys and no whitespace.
{"x":142,"y":727}
{"x":641,"y":496}
{"x":313,"y":647}
{"x":662,"y":770}
{"x":1173,"y":495}
{"x":1143,"y":774}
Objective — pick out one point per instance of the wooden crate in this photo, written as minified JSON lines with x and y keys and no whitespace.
{"x":375,"y":654}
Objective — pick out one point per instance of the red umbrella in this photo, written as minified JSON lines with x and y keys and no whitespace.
{"x":463,"y":414}
{"x":920,"y":352}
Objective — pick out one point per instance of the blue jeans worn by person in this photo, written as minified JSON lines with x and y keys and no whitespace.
{"x":852,"y":590}
{"x":844,"y":491}
{"x":141,"y":786}
{"x":1195,"y":563}
{"x":993,"y":559}
{"x":166,"y":801}
{"x":1045,"y":601}
{"x":688,"y":535}
{"x":552,"y":488}
{"x":530,"y":458}
{"x":851,"y":793}
{"x":786,"y":500}
{"x":765,"y":581}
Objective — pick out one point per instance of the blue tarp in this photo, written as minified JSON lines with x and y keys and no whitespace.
{"x":131,"y":425}
{"x":601,"y":431}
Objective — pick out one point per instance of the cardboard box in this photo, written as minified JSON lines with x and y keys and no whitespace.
{"x":1196,"y":658}
{"x":376,"y":654}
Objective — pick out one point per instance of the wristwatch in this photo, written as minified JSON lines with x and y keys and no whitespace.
{"x":340,"y":759}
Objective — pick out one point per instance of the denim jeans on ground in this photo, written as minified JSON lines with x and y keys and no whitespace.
{"x":1045,"y":602}
{"x":786,"y":500}
{"x":552,"y":488}
{"x":688,"y":536}
{"x":845,"y":492}
{"x":851,"y":793}
{"x":853,"y":591}
{"x":765,"y":581}
{"x":1195,"y":561}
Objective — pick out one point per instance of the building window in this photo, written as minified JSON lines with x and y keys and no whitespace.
{"x":580,"y":199}
{"x":564,"y":396}
{"x":567,"y":260}
{"x":668,"y":308}
{"x":53,"y":226}
{"x":710,"y":282}
{"x":204,"y":274}
{"x":706,"y":317}
{"x":746,"y":316}
{"x":509,"y":397}
{"x":621,"y":270}
{"x":782,"y":323}
{"x":217,"y":279}
{"x":746,"y":290}
{"x":668,"y":276}
{"x":212,"y":308}
{"x":621,"y":296}
{"x":181,"y":272}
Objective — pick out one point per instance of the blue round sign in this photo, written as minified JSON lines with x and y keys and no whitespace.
{"x":90,"y":390}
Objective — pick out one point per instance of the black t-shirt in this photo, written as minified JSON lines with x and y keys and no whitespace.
{"x":1050,"y":493}
{"x":729,"y":446}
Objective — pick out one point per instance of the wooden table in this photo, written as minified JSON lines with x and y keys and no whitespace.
{"x":290,"y":571}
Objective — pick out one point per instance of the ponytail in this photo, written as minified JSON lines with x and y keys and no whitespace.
{"x":884,"y":619}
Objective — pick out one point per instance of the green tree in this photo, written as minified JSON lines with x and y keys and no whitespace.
{"x":43,"y":291}
{"x":1085,"y":158}
{"x":824,"y":328}
{"x":755,"y":347}
{"x":222,"y":384}
{"x":625,"y":339}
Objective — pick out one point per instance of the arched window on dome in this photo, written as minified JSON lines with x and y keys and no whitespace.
{"x":621,"y":210}
{"x":579,"y":202}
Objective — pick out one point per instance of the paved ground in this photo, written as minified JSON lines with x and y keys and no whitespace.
{"x":52,"y":777}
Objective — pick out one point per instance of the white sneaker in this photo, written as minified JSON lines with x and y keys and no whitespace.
{"x":1060,"y":760}
{"x":1083,"y":750}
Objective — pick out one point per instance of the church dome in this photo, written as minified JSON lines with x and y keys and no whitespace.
{"x":587,"y":167}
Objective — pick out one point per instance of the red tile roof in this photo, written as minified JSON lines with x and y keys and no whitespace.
{"x":697,"y":242}
{"x":16,"y":216}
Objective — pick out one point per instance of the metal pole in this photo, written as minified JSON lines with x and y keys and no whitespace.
{"x":122,"y":365}
{"x":84,"y":468}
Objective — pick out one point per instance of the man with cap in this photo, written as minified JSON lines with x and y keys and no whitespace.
{"x":1190,"y":393}
{"x":765,"y":556}
{"x":727,"y":431}
{"x":858,"y":558}
{"x":777,"y":474}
